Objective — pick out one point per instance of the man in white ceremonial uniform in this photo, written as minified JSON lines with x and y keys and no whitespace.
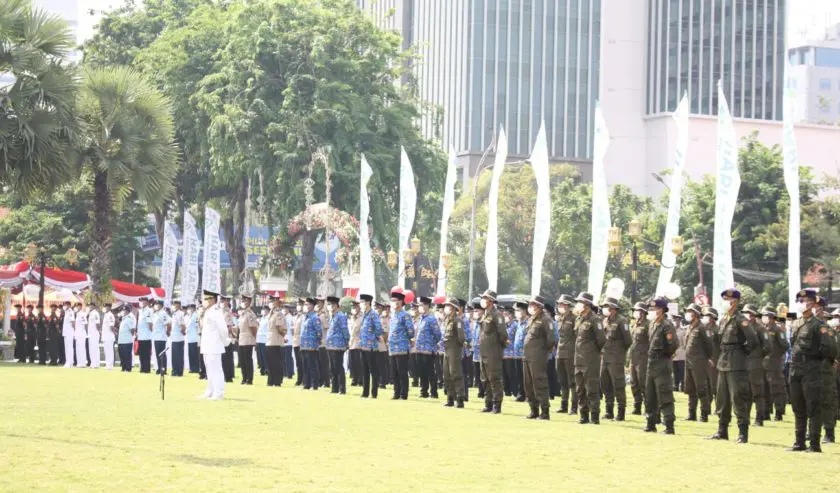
{"x":93,"y":321}
{"x":67,"y":333}
{"x":214,"y":338}
{"x":80,"y":335}
{"x":109,"y":321}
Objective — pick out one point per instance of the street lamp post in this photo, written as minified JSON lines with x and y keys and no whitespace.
{"x":634,"y":231}
{"x":478,"y":171}
{"x":38,"y":255}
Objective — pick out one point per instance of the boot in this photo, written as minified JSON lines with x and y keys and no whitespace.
{"x":460,"y":404}
{"x":595,"y":418}
{"x":829,"y":435}
{"x":497,"y":408}
{"x":799,"y":434}
{"x":759,"y":419}
{"x":637,"y":409}
{"x":692,"y":412}
{"x":534,"y":412}
{"x":546,"y":415}
{"x":743,"y":433}
{"x":722,"y":433}
{"x":584,"y":418}
{"x":620,"y":416}
{"x":520,"y":398}
{"x":609,"y":413}
{"x":669,"y":427}
{"x":488,"y":407}
{"x":704,"y":417}
{"x":450,"y":401}
{"x":573,"y":410}
{"x":564,"y":407}
{"x":651,"y":426}
{"x":778,"y":416}
{"x":815,"y":445}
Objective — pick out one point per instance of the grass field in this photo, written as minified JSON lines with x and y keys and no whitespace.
{"x":87,"y":431}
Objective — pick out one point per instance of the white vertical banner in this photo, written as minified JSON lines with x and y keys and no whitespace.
{"x":408,"y":206}
{"x":672,"y":228}
{"x":167,"y":264}
{"x":211,"y":279}
{"x":791,"y":169}
{"x":366,"y":271}
{"x":726,"y":196}
{"x":542,"y":214}
{"x":599,"y":246}
{"x":448,"y":205}
{"x":491,"y":249}
{"x":189,"y":260}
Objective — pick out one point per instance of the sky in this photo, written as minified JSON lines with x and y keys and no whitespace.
{"x":809,"y":18}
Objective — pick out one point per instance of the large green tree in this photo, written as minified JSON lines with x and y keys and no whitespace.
{"x":127,"y":149}
{"x":37,"y":124}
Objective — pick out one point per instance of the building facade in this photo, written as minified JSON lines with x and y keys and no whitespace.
{"x":515,"y":64}
{"x":815,"y":78}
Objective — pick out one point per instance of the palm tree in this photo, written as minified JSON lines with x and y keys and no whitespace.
{"x":127,"y":151}
{"x":37,"y":94}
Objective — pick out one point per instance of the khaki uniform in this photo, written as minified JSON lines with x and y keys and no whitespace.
{"x":248,"y":325}
{"x":811,"y":343}
{"x":454,"y":338}
{"x":699,"y":347}
{"x":737,"y":340}
{"x":539,"y":341}
{"x":275,"y":361}
{"x":755,"y":367}
{"x":296,"y":327}
{"x":589,"y":341}
{"x":774,"y":378}
{"x":659,"y":387}
{"x":618,"y":341}
{"x":492,"y":342}
{"x":638,"y":362}
{"x":566,"y":360}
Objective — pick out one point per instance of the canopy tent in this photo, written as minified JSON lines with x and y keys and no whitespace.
{"x":61,"y":278}
{"x":12,"y":276}
{"x":129,"y":293}
{"x":29,"y":296}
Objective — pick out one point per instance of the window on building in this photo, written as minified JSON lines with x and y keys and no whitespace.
{"x":825,"y":84}
{"x":827,"y":57}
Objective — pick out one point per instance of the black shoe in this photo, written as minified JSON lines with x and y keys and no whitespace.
{"x":797,"y":447}
{"x":609,"y":414}
{"x":481,"y":395}
{"x":450,"y":402}
{"x":669,"y":427}
{"x":342,"y":392}
{"x":758,"y":422}
{"x":521,"y":398}
{"x":434,"y":396}
{"x":584,"y":419}
{"x":534,"y":413}
{"x":488,"y":408}
{"x":829,"y":436}
{"x":460,"y":404}
{"x":637,"y":409}
{"x":595,"y":419}
{"x":650,"y":427}
{"x":364,"y":396}
{"x":778,"y":418}
{"x":395,"y":398}
{"x":497,"y":408}
{"x":545,"y":415}
{"x":743,"y":434}
{"x":722,"y":434}
{"x":704,"y":418}
{"x":815,"y":446}
{"x":621,"y":413}
{"x":424,"y":395}
{"x":690,"y":417}
{"x":564,"y":408}
{"x":573,"y":411}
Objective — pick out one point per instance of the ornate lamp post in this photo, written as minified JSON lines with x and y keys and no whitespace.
{"x":34,"y":254}
{"x":634,"y":231}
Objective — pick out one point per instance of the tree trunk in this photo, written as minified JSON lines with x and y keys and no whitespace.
{"x":100,"y":266}
{"x":160,"y":222}
{"x":303,"y":275}
{"x":235,"y":235}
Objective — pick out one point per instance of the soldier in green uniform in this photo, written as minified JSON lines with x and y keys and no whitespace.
{"x":774,"y":379}
{"x":737,"y":340}
{"x":589,"y":340}
{"x":834,"y":324}
{"x":639,"y":355}
{"x":454,"y":338}
{"x":755,"y":363}
{"x":492,"y":341}
{"x":698,"y":362}
{"x":566,"y":353}
{"x":710,"y":322}
{"x":659,"y":387}
{"x":828,"y":401}
{"x":618,"y":341}
{"x":811,"y":343}
{"x":539,"y":342}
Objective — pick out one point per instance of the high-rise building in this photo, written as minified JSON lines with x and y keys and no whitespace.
{"x":490,"y":64}
{"x":815,"y":78}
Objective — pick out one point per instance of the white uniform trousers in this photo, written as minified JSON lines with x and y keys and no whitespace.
{"x":215,"y":376}
{"x":108,"y":346}
{"x":68,"y":351}
{"x":81,"y":354}
{"x":93,"y":341}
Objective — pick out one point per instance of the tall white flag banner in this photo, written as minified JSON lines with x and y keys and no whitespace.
{"x":366,"y":271}
{"x":448,"y":204}
{"x":167,"y":265}
{"x":211,"y":279}
{"x":672,"y":228}
{"x":408,"y":206}
{"x":491,"y":250}
{"x":599,"y":246}
{"x":791,"y":168}
{"x":542,"y":214}
{"x":189,"y":261}
{"x":726,"y":196}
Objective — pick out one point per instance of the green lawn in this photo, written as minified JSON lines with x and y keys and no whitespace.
{"x":85,"y":430}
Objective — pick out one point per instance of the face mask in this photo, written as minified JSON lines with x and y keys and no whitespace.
{"x":689,"y":317}
{"x":833,"y":322}
{"x":483,"y":303}
{"x":750,"y":317}
{"x":394,"y":305}
{"x":562,"y":309}
{"x":476,"y":315}
{"x":799,"y":307}
{"x":519,"y":314}
{"x":733,"y":303}
{"x":578,"y":308}
{"x":637,"y":314}
{"x":447,"y":310}
{"x":651,"y":316}
{"x":706,"y":320}
{"x":765,"y":319}
{"x":531,"y":310}
{"x":330,"y":308}
{"x":306,"y":308}
{"x":422,"y":310}
{"x":365,"y":306}
{"x":300,"y":308}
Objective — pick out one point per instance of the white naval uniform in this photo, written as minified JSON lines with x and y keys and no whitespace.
{"x":93,"y":337}
{"x":108,"y":338}
{"x":80,"y":335}
{"x":214,"y":336}
{"x":67,"y":333}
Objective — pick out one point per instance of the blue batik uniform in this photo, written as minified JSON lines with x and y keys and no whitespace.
{"x":338,"y":335}
{"x":400,"y":333}
{"x":519,"y":340}
{"x":553,"y":354}
{"x":310,"y":334}
{"x":468,"y":333}
{"x":192,"y":329}
{"x":476,"y":334}
{"x":511,"y":335}
{"x":144,"y":324}
{"x":370,"y":332}
{"x":428,"y":335}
